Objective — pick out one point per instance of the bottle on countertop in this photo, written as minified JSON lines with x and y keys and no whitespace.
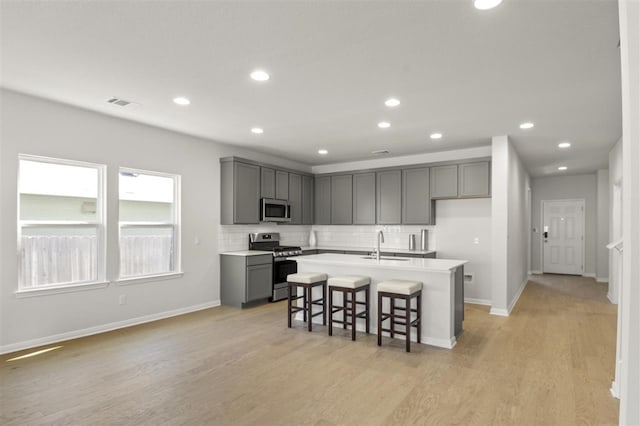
{"x":412,"y":242}
{"x":424,"y":240}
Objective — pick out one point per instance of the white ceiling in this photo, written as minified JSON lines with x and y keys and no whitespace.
{"x":469,"y":74}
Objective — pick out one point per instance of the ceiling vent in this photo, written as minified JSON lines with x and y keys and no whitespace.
{"x":122,"y":103}
{"x":380,"y":152}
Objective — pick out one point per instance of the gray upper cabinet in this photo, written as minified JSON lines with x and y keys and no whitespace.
{"x":389,"y":196}
{"x":322,"y":205}
{"x":282,"y":185}
{"x":267,"y":182}
{"x":444,"y":181}
{"x":295,"y":198}
{"x":474,"y":179}
{"x":341,"y":200}
{"x":239,"y":192}
{"x":364,"y":198}
{"x":415,"y":197}
{"x":307,"y":200}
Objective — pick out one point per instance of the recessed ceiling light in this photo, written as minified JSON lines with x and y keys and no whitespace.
{"x":486,"y":4}
{"x":384,"y":124}
{"x":181,"y":100}
{"x":257,"y":130}
{"x":435,"y":135}
{"x":323,"y":152}
{"x":562,"y":168}
{"x":392,"y":102}
{"x":564,"y":145}
{"x":259,"y":75}
{"x":526,"y":125}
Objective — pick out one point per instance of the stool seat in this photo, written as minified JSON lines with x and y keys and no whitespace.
{"x":348,"y":281}
{"x":306,"y":277}
{"x":400,"y":286}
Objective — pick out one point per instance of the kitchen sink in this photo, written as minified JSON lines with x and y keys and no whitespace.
{"x":402,"y":259}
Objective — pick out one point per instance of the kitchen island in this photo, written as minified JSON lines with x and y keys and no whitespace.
{"x":442,"y":288}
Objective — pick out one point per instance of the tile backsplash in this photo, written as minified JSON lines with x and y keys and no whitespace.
{"x":235,"y":237}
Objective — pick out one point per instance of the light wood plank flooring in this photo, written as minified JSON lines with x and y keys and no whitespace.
{"x":550,"y":363}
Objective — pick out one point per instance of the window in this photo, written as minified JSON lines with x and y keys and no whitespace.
{"x":60,"y":223}
{"x":149,"y":223}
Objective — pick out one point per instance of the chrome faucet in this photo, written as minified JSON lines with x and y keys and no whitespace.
{"x":380,"y":239}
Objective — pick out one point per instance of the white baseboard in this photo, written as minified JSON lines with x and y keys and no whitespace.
{"x":615,"y":390}
{"x":520,"y":290}
{"x":104,"y":328}
{"x":506,"y":312}
{"x":589,"y":275}
{"x":602,"y":279}
{"x":499,"y":312}
{"x":477,"y":301}
{"x":536,"y":273}
{"x":441,"y":343}
{"x":610,"y":297}
{"x":426,"y":340}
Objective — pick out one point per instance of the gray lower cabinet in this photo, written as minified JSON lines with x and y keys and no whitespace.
{"x":444,"y":181}
{"x":341,"y":200}
{"x":295,"y":198}
{"x":415,"y":197}
{"x":239,"y":193}
{"x":474,"y":179}
{"x":245,"y":279}
{"x":282,"y":185}
{"x":307,"y":200}
{"x":267,"y":183}
{"x":389,"y":197}
{"x":364,"y":198}
{"x":322,"y":205}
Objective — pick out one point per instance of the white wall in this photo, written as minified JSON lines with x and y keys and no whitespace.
{"x":615,"y":219}
{"x":39,"y":127}
{"x":565,"y":187}
{"x":629,"y":307}
{"x":509,"y":226}
{"x":463,"y":231}
{"x":602,"y":225}
{"x":519,"y":211}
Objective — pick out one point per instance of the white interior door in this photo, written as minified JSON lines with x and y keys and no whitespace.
{"x":563,"y":236}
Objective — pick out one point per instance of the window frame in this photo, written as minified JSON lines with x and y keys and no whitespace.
{"x":176,"y":224}
{"x":100,"y":224}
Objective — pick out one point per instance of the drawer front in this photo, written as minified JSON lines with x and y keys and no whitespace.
{"x":262,"y":259}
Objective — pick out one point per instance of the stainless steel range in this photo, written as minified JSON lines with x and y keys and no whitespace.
{"x":282,"y":265}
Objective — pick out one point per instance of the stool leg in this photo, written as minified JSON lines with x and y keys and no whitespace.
{"x":353,"y":315}
{"x":392,"y":302}
{"x":309,"y":307}
{"x":324,"y":303}
{"x":379,"y":319}
{"x":419,"y":327}
{"x":407,"y":327}
{"x":344,"y":310}
{"x":366,"y":299}
{"x":304,"y":304}
{"x":330,"y":312}
{"x":289,"y":304}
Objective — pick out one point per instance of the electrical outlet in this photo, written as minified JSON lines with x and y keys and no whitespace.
{"x":122,"y":300}
{"x":476,"y":240}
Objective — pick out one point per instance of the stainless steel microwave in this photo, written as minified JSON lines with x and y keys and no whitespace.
{"x":274,"y":211}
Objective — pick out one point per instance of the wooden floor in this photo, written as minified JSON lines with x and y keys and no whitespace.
{"x":550,"y":363}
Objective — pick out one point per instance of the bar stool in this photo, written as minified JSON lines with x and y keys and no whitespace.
{"x":349,"y":285}
{"x":407,"y":291}
{"x":307,"y":280}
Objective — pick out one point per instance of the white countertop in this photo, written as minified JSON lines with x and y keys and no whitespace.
{"x":416,"y":264}
{"x":370,"y":249}
{"x":247,"y":253}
